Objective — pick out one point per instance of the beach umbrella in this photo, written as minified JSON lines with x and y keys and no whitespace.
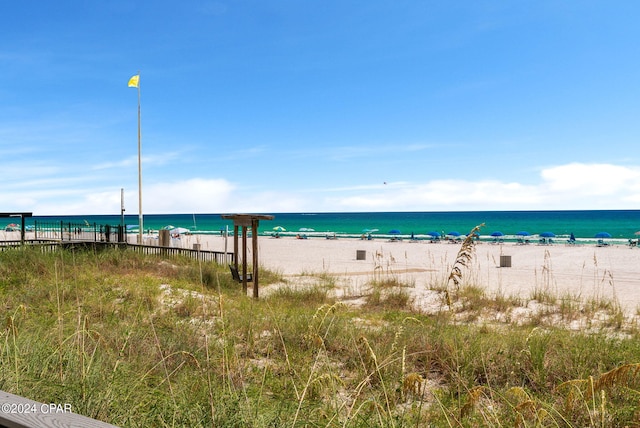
{"x":601,"y":235}
{"x":523,"y":233}
{"x":453,"y":233}
{"x":548,"y":235}
{"x":169,"y":227}
{"x":179,"y":231}
{"x":279,"y":229}
{"x":394,"y":232}
{"x":306,"y":229}
{"x":497,"y":233}
{"x":369,"y":230}
{"x":12,"y":227}
{"x":434,"y":234}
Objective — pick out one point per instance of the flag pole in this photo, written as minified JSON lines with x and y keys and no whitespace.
{"x":140,"y":220}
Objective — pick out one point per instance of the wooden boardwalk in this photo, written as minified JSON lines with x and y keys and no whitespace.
{"x":20,"y":412}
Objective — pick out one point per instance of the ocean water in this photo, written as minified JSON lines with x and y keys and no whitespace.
{"x":621,"y":224}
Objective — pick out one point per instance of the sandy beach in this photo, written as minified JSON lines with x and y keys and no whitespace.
{"x":580,"y":271}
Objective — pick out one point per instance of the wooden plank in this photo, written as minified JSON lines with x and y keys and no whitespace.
{"x":20,"y":412}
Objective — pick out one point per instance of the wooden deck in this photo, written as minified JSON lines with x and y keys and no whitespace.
{"x":20,"y":412}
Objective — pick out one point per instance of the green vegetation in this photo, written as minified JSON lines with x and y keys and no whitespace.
{"x":142,"y":341}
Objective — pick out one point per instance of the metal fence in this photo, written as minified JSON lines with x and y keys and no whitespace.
{"x":53,"y":235}
{"x":49,"y":245}
{"x":67,"y":231}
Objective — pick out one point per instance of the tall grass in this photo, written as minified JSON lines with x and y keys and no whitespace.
{"x":142,"y":341}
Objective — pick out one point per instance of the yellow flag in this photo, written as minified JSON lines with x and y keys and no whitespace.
{"x":134,"y":81}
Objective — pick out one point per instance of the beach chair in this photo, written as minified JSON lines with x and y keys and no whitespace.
{"x":237,"y":277}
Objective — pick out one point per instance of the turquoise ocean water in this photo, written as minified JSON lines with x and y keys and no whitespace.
{"x":621,"y":224}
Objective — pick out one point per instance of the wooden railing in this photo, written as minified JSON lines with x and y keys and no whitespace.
{"x":20,"y":412}
{"x":202,"y":255}
{"x":205,"y":256}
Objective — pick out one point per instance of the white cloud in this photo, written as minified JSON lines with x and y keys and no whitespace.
{"x":185,"y":196}
{"x":571,"y":186}
{"x":147,"y":160}
{"x":443,"y":195}
{"x":591,"y":179}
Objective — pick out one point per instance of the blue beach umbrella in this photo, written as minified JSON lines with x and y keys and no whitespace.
{"x":601,"y":235}
{"x":394,"y":232}
{"x":523,"y":233}
{"x":497,"y":234}
{"x":434,"y":234}
{"x":548,"y":235}
{"x":454,"y":233}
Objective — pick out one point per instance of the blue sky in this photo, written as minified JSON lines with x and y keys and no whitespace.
{"x":332,"y":105}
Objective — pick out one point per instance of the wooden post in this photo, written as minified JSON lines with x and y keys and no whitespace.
{"x":247,"y":221}
{"x":254,"y":240}
{"x":235,"y":246}
{"x":244,"y":259}
{"x":22,"y":230}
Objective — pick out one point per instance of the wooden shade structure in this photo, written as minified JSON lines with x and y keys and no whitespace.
{"x":246,"y":221}
{"x":22,"y":225}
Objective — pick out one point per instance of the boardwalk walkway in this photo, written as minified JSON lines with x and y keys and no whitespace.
{"x":20,"y":412}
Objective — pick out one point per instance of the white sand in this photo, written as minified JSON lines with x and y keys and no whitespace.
{"x":583,"y":271}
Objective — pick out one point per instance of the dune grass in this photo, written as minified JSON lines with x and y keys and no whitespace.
{"x":143,"y":341}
